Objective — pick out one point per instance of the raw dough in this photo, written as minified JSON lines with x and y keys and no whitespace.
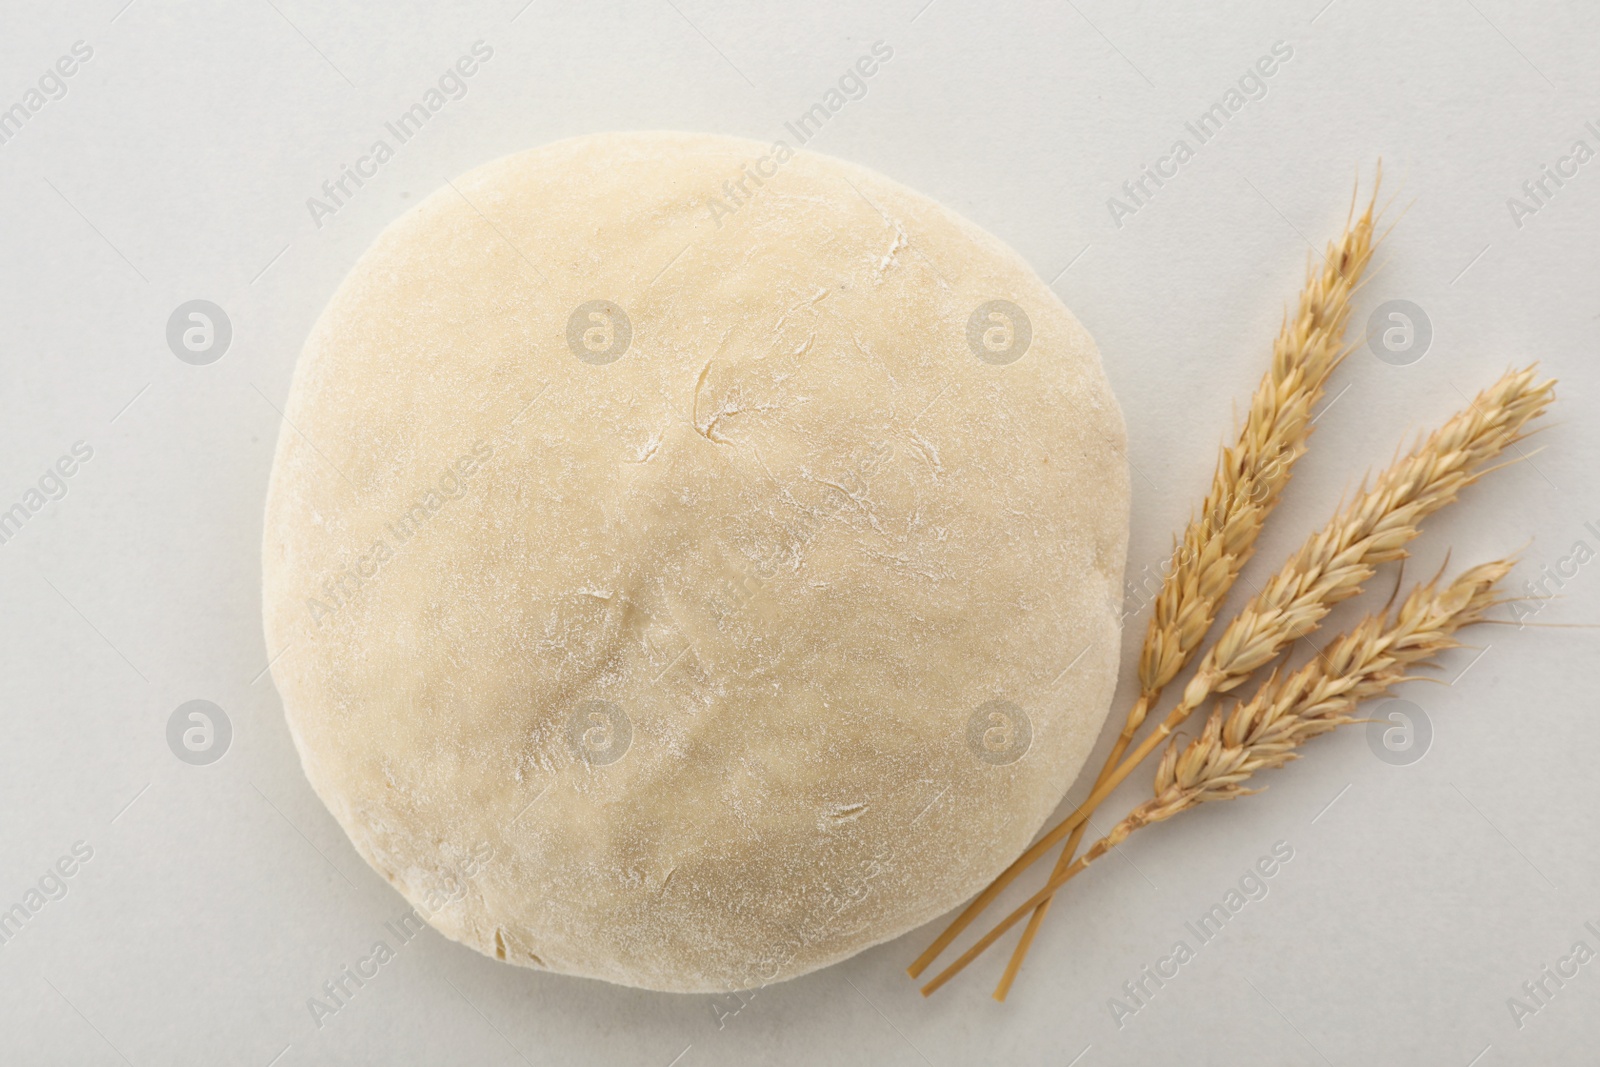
{"x":686,"y":589}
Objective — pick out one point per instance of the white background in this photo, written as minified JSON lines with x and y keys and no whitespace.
{"x":177,"y":166}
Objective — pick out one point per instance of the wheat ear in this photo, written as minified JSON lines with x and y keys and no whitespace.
{"x":1250,"y":476}
{"x":1285,"y":712}
{"x":1328,"y":568}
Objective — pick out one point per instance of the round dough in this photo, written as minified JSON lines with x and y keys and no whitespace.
{"x":692,"y":563}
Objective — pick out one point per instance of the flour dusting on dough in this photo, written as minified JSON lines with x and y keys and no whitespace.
{"x":677,"y":716}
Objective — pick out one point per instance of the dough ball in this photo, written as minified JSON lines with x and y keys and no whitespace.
{"x":693,"y":562}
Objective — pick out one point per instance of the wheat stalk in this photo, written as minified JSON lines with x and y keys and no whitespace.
{"x":1286,"y":711}
{"x":1249,"y":477}
{"x":1329,"y":568}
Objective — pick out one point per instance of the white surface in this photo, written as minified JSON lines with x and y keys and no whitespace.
{"x":177,"y":166}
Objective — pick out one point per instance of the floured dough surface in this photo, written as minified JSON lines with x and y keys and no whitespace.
{"x":692,"y":596}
